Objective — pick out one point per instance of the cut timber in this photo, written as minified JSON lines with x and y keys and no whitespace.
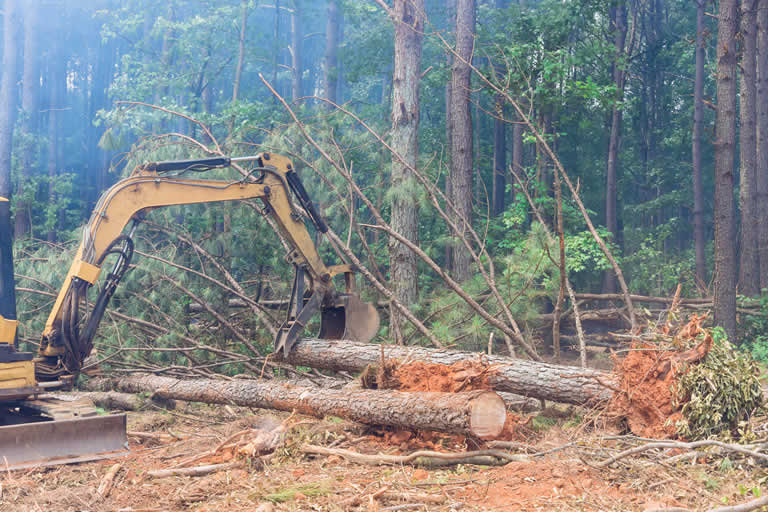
{"x":475,"y":413}
{"x":566,"y":384}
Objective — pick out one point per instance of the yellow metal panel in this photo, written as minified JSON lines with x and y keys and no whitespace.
{"x":17,"y":375}
{"x":7,"y":330}
{"x":86,"y":271}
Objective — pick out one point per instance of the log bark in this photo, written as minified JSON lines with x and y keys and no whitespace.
{"x":113,"y":400}
{"x":476,"y":413}
{"x":565,"y":384}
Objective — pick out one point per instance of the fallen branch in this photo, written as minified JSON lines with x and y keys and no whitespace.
{"x":421,"y":457}
{"x":744,"y":449}
{"x":108,"y":481}
{"x":744,"y":507}
{"x":197,"y":471}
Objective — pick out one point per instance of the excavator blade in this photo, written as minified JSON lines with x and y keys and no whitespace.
{"x":48,"y":443}
{"x":352,"y":319}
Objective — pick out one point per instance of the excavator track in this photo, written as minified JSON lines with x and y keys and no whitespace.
{"x":56,"y":430}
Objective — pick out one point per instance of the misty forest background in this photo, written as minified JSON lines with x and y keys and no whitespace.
{"x":414,"y":116}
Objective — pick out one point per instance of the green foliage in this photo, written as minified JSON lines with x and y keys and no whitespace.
{"x":753,"y":333}
{"x":719,"y":393}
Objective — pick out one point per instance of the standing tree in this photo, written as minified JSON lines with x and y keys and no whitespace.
{"x":619,"y":25}
{"x":461,"y":130}
{"x":698,"y":121}
{"x":761,"y":168}
{"x":408,"y":17}
{"x":297,"y":40}
{"x":725,"y":142}
{"x":7,"y":116}
{"x":499,"y":144}
{"x":749,"y":281}
{"x":30,"y":107}
{"x":330,"y":59}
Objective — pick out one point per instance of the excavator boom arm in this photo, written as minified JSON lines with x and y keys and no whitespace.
{"x":145,"y":190}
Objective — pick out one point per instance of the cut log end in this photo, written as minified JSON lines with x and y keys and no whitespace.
{"x":487,"y":416}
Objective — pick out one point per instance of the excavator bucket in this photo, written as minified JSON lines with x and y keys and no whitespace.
{"x":48,"y":432}
{"x":351,"y":319}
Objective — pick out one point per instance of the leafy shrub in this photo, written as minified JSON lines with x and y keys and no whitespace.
{"x":719,"y":393}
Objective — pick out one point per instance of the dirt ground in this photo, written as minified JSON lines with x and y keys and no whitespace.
{"x":292,"y":481}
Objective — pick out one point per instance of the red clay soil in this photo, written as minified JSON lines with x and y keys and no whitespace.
{"x":647,"y":377}
{"x":460,"y":376}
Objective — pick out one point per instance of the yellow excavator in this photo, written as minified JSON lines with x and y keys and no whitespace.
{"x":66,"y":432}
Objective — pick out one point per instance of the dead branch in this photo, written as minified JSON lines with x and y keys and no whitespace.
{"x":197,"y":471}
{"x":738,"y":448}
{"x":420,"y":458}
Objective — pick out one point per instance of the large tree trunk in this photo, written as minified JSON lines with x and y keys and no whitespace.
{"x":7,"y":116}
{"x":30,"y":106}
{"x":762,"y":141}
{"x":749,"y":280}
{"x":477,"y":413}
{"x":330,"y":60}
{"x":461,"y":131}
{"x":698,"y":121}
{"x":450,"y":7}
{"x":566,"y":384}
{"x":619,"y":20}
{"x":725,"y":143}
{"x":409,"y":25}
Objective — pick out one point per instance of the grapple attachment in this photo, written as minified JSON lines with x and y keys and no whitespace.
{"x":352,"y":319}
{"x":342,"y":315}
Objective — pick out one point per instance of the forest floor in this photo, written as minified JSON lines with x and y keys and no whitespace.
{"x":565,"y":479}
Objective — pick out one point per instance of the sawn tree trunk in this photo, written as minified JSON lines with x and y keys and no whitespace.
{"x":564,"y":384}
{"x":478,"y":413}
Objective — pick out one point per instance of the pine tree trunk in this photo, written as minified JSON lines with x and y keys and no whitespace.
{"x":475,"y":413}
{"x":450,"y":6}
{"x":499,"y":143}
{"x":330,"y":60}
{"x":749,"y":280}
{"x":409,"y":25}
{"x":566,"y":384}
{"x":461,"y":130}
{"x":7,"y":115}
{"x":619,"y":19}
{"x":762,"y":141}
{"x":30,"y":107}
{"x":517,"y":152}
{"x":56,"y":86}
{"x":499,"y":157}
{"x":297,"y":40}
{"x":725,"y":143}
{"x":240,"y":52}
{"x":698,"y":121}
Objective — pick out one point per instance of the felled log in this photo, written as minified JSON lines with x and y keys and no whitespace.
{"x":475,"y":413}
{"x":112,"y":400}
{"x":565,"y":384}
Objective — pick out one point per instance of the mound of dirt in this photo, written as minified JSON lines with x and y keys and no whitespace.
{"x":647,"y":400}
{"x":647,"y":377}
